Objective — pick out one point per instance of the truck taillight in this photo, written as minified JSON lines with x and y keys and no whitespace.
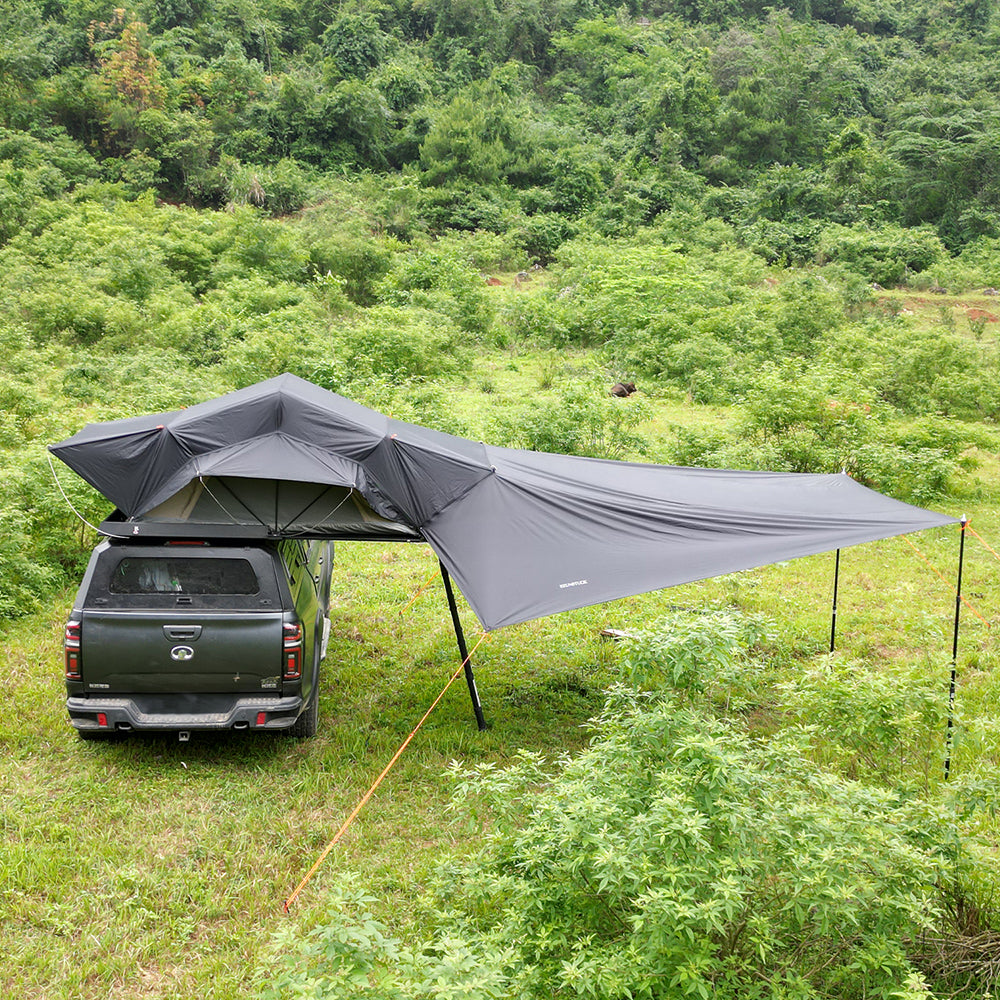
{"x":292,"y":651}
{"x":71,"y":650}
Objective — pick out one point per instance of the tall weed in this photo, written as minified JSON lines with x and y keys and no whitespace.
{"x":673,"y":857}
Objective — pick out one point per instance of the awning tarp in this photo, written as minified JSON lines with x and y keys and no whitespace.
{"x":524,"y":534}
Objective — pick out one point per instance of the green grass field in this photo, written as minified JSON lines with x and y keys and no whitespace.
{"x":151,"y":868}
{"x":157,"y":869}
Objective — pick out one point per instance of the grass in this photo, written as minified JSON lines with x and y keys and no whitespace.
{"x":150,"y":868}
{"x":154,"y":868}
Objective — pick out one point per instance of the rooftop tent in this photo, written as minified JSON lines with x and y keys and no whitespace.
{"x":524,"y":534}
{"x":281,"y":507}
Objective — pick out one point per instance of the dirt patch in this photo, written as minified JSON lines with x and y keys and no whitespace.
{"x":977,"y":314}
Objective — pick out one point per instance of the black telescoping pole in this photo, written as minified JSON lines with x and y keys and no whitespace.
{"x":954,"y":650}
{"x":462,"y":649}
{"x":833,"y":617}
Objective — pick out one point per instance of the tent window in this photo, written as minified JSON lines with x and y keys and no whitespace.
{"x":185,"y":576}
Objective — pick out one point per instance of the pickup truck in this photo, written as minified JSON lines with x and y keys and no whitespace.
{"x":186,"y":634}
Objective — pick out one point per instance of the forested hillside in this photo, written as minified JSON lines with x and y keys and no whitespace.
{"x":549,"y":117}
{"x":196,"y":195}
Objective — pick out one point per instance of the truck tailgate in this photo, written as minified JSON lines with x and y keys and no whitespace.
{"x":132,"y":652}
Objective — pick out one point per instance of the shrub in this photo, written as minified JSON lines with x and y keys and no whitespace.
{"x":919,"y":476}
{"x":674,"y":857}
{"x":815,"y":419}
{"x":263,"y":246}
{"x":808,"y":307}
{"x":279,"y":342}
{"x":24,"y":578}
{"x":582,"y":419}
{"x":706,"y":368}
{"x":702,"y":657}
{"x":413,"y":400}
{"x":975,"y":265}
{"x":934,"y":370}
{"x":541,"y":318}
{"x":278,"y":189}
{"x":822,"y":421}
{"x":397,"y":343}
{"x":541,"y":235}
{"x":42,"y":540}
{"x":482,"y":250}
{"x":792,"y":241}
{"x":360,"y":262}
{"x":439,"y":277}
{"x":882,"y":726}
{"x":885,"y":255}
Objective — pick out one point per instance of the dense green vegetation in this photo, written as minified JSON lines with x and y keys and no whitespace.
{"x":783,"y":225}
{"x":715,"y":193}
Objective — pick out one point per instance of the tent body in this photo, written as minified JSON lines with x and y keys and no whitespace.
{"x":524,"y":534}
{"x":283,"y":508}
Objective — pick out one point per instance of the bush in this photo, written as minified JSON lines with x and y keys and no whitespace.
{"x":24,"y":578}
{"x":924,"y":371}
{"x":702,"y":658}
{"x":582,"y":419}
{"x":541,"y":318}
{"x":279,"y":342}
{"x":707,"y":369}
{"x":919,"y":476}
{"x":440,"y":278}
{"x":975,"y":266}
{"x":263,"y":246}
{"x":821,"y":421}
{"x":886,"y":727}
{"x":483,"y":250}
{"x":278,"y":189}
{"x":807,"y":308}
{"x":413,"y":399}
{"x":43,"y":544}
{"x":885,"y":255}
{"x":541,"y":235}
{"x":803,"y":421}
{"x":396,"y":343}
{"x":674,"y":857}
{"x":360,"y":262}
{"x":790,"y":242}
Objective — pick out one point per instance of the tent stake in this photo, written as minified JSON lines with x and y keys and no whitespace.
{"x":462,"y":649}
{"x":833,"y":619}
{"x":954,"y":650}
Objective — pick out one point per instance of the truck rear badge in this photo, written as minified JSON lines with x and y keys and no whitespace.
{"x":181,"y":653}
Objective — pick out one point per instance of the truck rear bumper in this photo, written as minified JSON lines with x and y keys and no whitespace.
{"x":174,"y":713}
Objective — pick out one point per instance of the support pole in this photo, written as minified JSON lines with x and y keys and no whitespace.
{"x":954,"y":650}
{"x":462,"y":649}
{"x":833,"y":617}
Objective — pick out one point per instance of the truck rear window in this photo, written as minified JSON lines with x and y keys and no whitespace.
{"x":147,"y":575}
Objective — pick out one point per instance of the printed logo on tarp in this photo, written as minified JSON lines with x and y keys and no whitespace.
{"x":574,"y":583}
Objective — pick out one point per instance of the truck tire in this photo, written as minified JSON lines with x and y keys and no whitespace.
{"x":306,"y":724}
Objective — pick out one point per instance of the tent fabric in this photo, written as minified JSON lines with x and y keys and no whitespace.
{"x":279,"y":507}
{"x":524,"y":534}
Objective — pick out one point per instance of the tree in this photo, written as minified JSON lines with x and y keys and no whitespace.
{"x":480,"y":135}
{"x":355,"y":42}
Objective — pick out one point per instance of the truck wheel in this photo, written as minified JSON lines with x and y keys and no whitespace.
{"x":305,"y":724}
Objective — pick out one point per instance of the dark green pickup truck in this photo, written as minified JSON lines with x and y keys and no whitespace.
{"x":187,"y":634}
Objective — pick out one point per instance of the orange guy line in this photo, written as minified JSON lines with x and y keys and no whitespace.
{"x":378,"y":781}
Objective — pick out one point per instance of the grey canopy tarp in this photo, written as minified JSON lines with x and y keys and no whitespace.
{"x":524,"y":534}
